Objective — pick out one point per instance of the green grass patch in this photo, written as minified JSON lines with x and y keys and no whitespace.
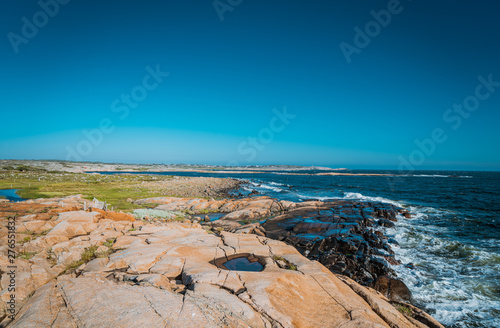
{"x":114,"y":189}
{"x":403,"y":309}
{"x":286,"y":264}
{"x":104,"y":254}
{"x":88,"y":255}
{"x":109,"y":242}
{"x":206,"y":211}
{"x":31,"y":235}
{"x":25,"y":255}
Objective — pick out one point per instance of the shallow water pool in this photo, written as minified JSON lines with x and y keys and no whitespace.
{"x":11,"y":194}
{"x":243,"y":264}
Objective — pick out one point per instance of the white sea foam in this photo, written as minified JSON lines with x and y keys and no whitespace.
{"x":265,"y":186}
{"x":430,"y":175}
{"x":448,"y":273}
{"x":320,"y":198}
{"x":358,"y":196}
{"x":454,"y":281}
{"x":247,"y":188}
{"x":270,"y":186}
{"x":352,"y":196}
{"x":438,"y":176}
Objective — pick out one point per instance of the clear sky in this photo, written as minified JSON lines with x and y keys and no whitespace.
{"x":356,"y":84}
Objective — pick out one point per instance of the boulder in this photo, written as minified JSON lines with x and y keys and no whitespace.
{"x":393,"y":289}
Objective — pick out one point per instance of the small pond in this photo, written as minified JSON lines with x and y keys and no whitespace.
{"x":243,"y":264}
{"x":11,"y":194}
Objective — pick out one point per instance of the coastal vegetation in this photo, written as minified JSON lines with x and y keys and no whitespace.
{"x":91,"y":253}
{"x":404,"y":309}
{"x":88,"y":255}
{"x":117,"y":190}
{"x":114,"y":189}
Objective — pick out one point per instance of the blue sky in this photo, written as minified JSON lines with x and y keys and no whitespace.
{"x":228,"y":78}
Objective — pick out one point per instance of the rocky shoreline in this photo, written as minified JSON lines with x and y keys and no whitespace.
{"x":321,"y":263}
{"x":80,"y":167}
{"x":345,"y":236}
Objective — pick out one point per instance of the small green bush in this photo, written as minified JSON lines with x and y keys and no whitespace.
{"x":109,"y":242}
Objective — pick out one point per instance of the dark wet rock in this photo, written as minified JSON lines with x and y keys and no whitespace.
{"x":393,"y":289}
{"x":405,"y":213}
{"x":385,"y":223}
{"x":339,"y":235}
{"x":392,"y":241}
{"x":410,"y":265}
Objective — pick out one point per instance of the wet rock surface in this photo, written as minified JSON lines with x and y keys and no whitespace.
{"x":341,"y":235}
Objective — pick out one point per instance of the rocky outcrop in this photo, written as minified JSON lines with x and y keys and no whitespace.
{"x":343,"y":236}
{"x":173,"y":275}
{"x":245,"y":209}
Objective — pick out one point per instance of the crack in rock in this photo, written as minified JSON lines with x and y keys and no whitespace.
{"x":152,"y":307}
{"x":333,"y":298}
{"x":257,"y":308}
{"x":71,"y":312}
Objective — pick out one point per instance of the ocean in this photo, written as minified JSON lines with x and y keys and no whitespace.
{"x":452,"y":239}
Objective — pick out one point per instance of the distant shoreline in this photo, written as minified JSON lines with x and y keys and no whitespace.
{"x":240,"y":172}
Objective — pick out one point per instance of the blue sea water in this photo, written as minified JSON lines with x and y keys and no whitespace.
{"x":453,"y":237}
